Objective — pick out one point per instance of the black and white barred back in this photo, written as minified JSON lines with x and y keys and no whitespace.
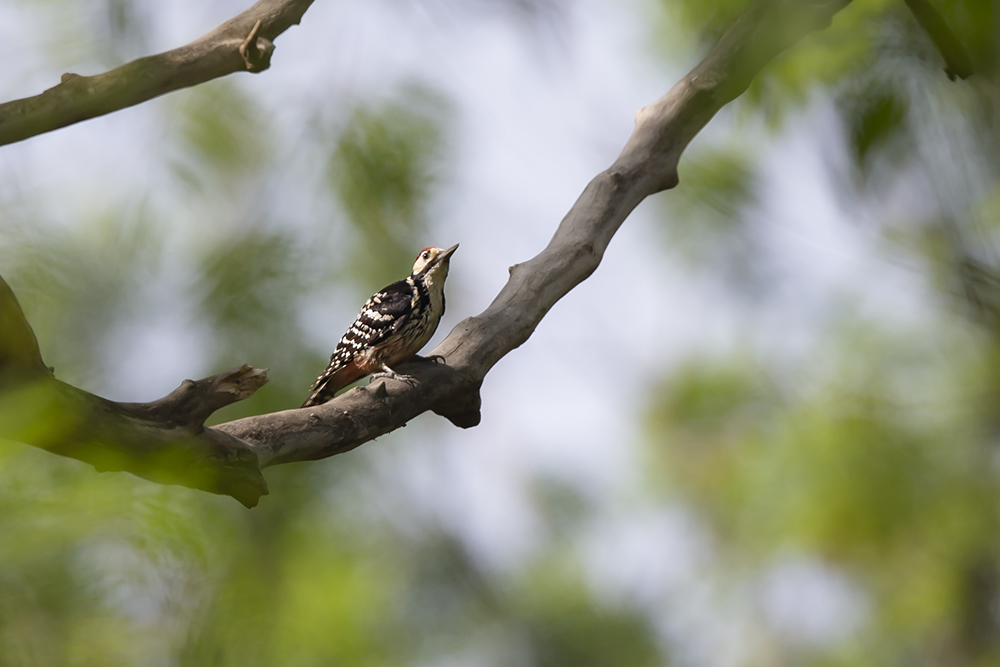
{"x":391,"y":328}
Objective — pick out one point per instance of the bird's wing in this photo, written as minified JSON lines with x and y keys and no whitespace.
{"x":386,"y":311}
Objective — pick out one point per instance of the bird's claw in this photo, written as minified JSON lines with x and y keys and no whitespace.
{"x":408,"y":379}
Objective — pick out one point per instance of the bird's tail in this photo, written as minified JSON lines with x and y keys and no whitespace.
{"x":330,"y":382}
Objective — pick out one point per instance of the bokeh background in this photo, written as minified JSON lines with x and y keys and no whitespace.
{"x":764,"y":432}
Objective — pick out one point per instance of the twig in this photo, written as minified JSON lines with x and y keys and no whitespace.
{"x":250,"y":51}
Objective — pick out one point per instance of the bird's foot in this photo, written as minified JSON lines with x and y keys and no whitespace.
{"x":387,"y":372}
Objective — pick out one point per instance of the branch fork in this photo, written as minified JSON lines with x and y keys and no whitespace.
{"x":167,"y":441}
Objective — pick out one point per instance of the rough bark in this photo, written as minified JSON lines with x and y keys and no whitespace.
{"x":243,"y":43}
{"x":646,"y":165}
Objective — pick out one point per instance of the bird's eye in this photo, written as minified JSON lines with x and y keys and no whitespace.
{"x":426,"y":254}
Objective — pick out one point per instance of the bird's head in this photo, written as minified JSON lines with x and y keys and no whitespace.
{"x":433,"y":262}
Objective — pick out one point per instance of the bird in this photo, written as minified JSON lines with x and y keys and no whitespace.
{"x":391,"y":328}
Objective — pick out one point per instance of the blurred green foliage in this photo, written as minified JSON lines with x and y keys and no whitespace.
{"x":876,"y":456}
{"x":876,"y":118}
{"x":848,"y":472}
{"x":567,"y":627}
{"x":877,"y":460}
{"x":109,"y":570}
{"x":222,"y":131}
{"x":77,"y":285}
{"x":383,"y":168}
{"x":708,"y":229}
{"x":247,"y":295}
{"x":223,"y":147}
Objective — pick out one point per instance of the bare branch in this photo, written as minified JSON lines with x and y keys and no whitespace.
{"x":243,"y":43}
{"x":647,"y":164}
{"x":360,"y":415}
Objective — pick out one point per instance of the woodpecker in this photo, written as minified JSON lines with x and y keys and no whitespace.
{"x":391,"y":328}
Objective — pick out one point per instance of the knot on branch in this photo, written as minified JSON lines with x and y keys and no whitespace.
{"x":256,"y":51}
{"x":213,"y":461}
{"x":463,"y":409}
{"x":233,"y":471}
{"x":455,"y":394}
{"x":462,"y":401}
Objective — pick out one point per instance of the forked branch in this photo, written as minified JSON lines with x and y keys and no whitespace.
{"x":646,"y":165}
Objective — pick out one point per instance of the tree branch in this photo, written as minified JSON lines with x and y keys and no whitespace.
{"x":243,"y":43}
{"x":646,"y":165}
{"x":164,"y":441}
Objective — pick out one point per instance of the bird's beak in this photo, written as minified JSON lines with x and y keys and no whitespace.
{"x":447,"y":253}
